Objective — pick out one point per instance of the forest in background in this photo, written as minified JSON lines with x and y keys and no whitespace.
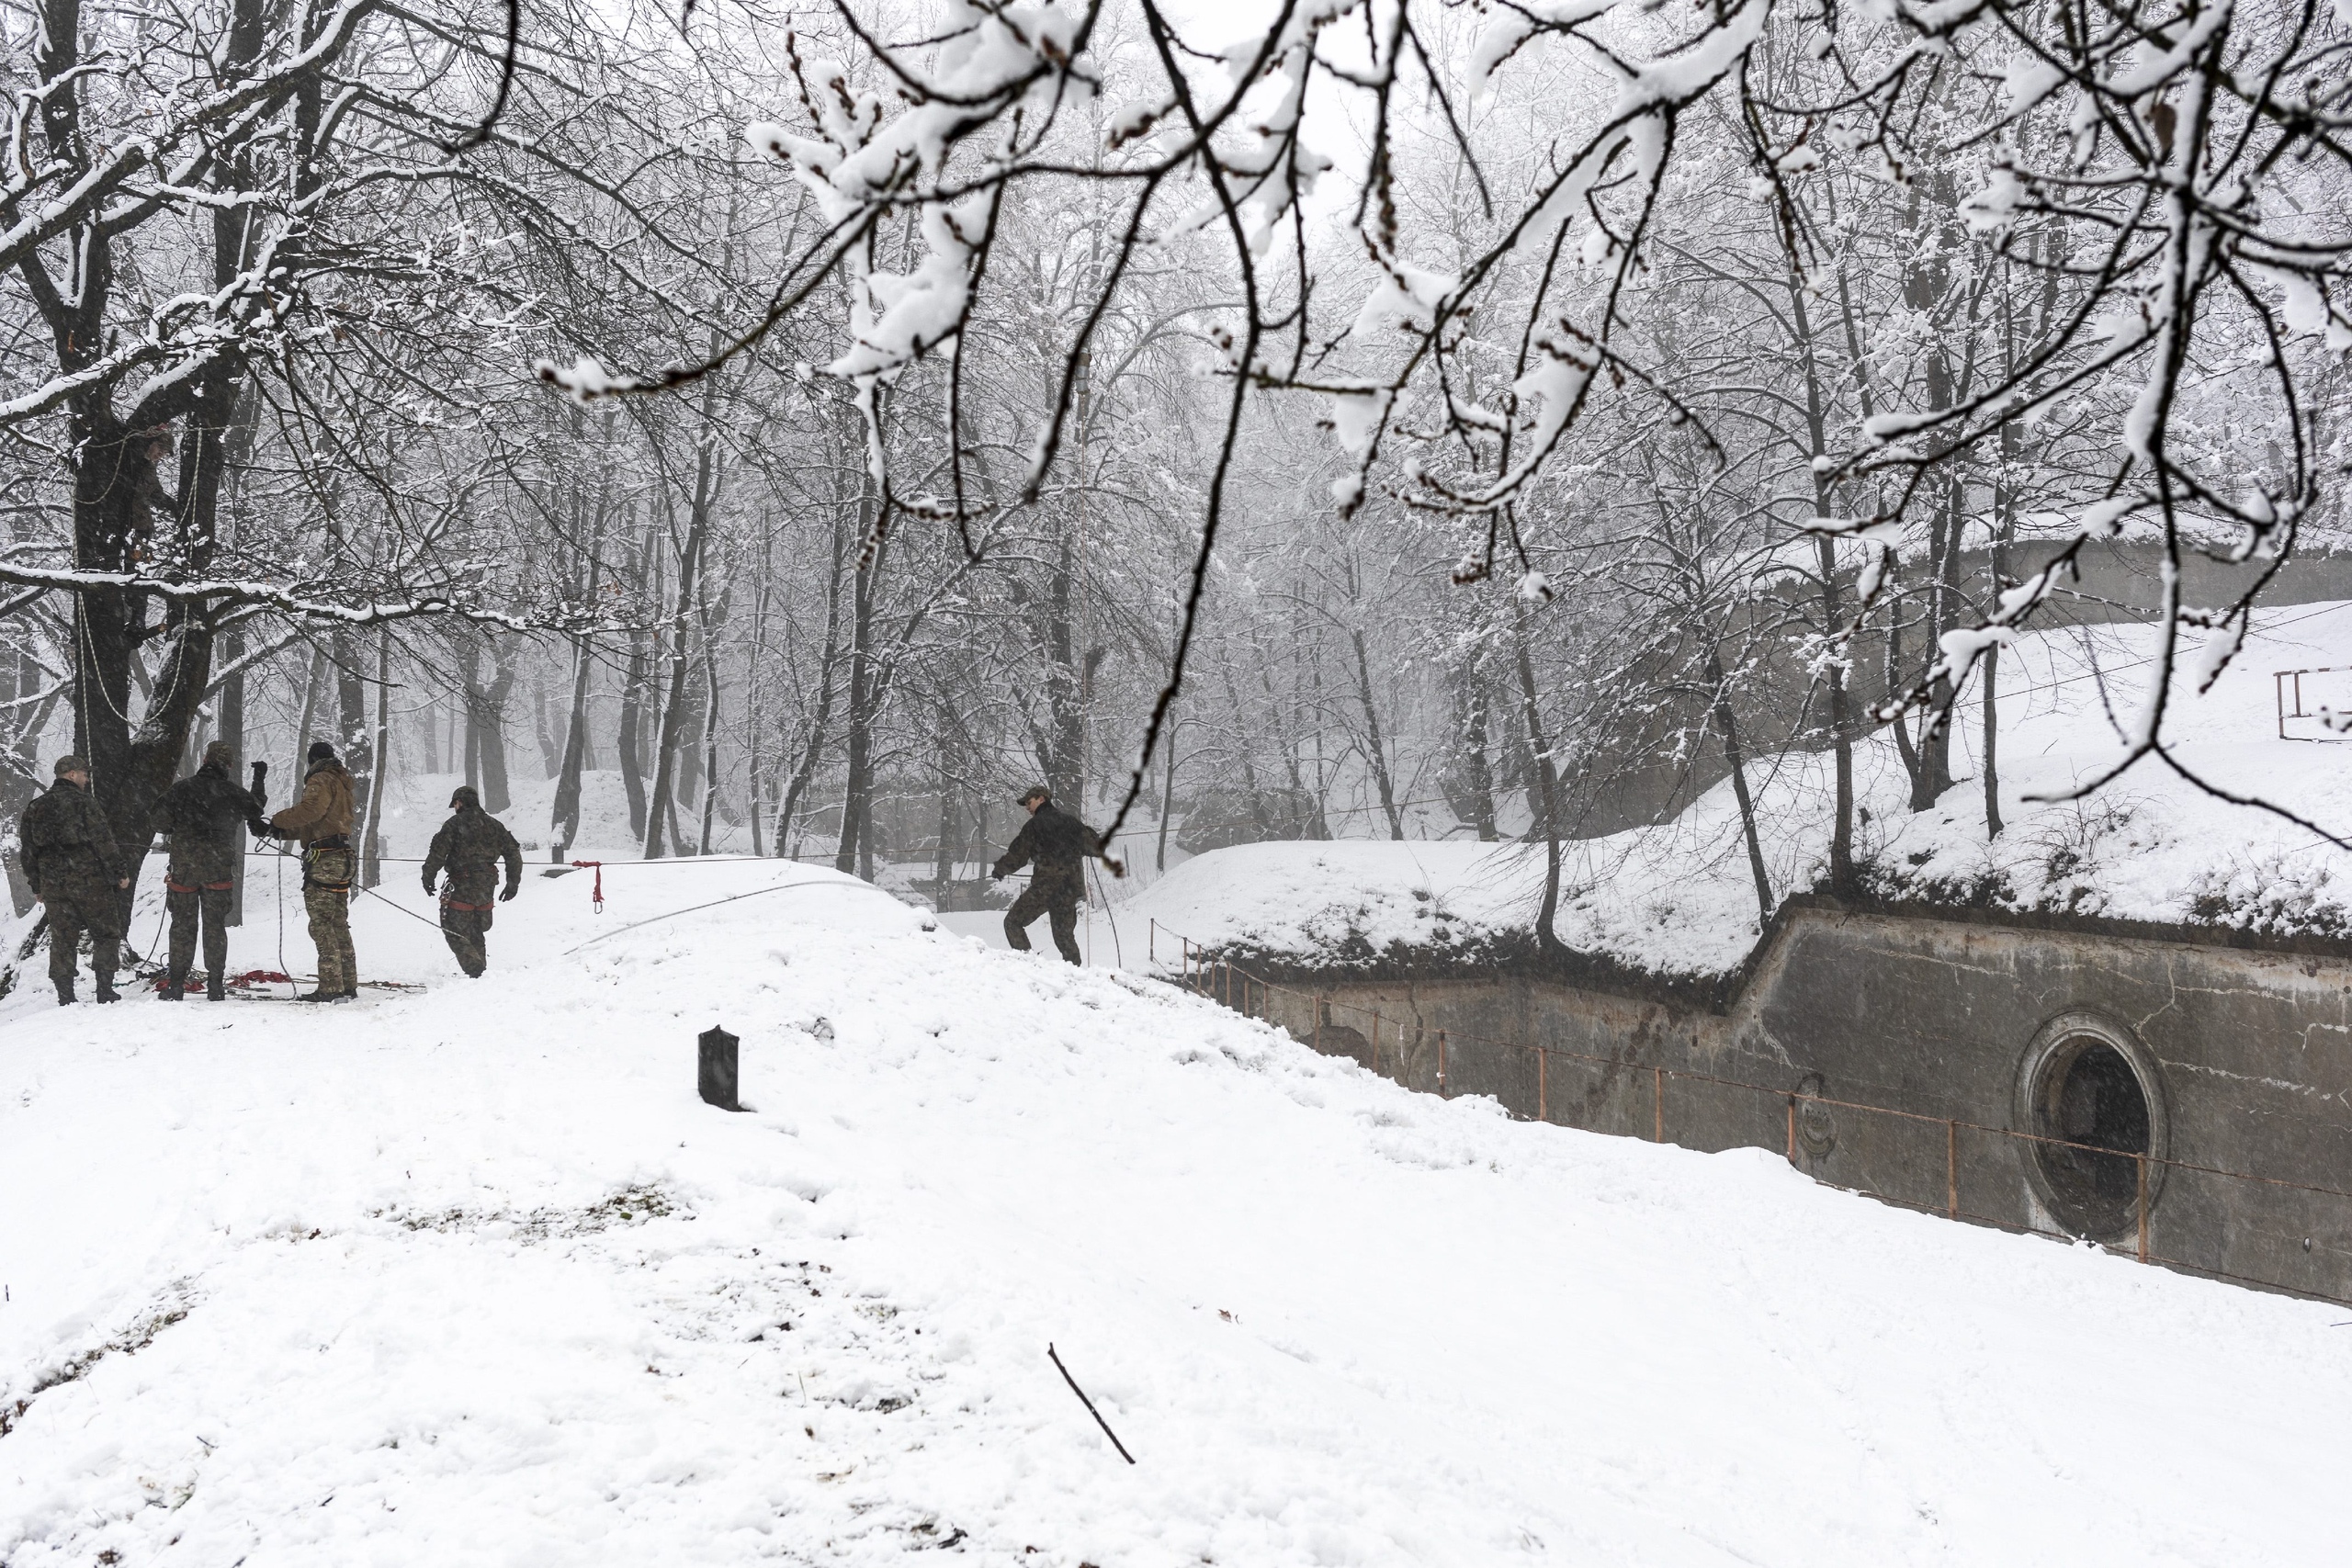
{"x":1390,"y":419}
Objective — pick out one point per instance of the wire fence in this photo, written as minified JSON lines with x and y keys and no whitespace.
{"x":2268,"y":1231}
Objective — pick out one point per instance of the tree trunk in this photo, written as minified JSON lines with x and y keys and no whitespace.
{"x":660,"y":808}
{"x":232,"y":730}
{"x":857,"y":791}
{"x":371,"y":872}
{"x":1167,"y":794}
{"x":1376,"y":751}
{"x":1992,"y":741}
{"x":1547,"y":779}
{"x":351,"y":723}
{"x":304,"y":725}
{"x":812,"y":750}
{"x":628,"y":741}
{"x":1842,"y":718}
{"x":1727,"y":730}
{"x":563,"y":826}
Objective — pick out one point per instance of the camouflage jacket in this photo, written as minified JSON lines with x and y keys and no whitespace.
{"x":66,"y":845}
{"x":324,"y":811}
{"x":203,"y":813}
{"x":471,"y":844}
{"x":1053,"y":840}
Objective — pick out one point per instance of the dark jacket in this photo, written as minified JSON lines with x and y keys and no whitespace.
{"x":471,"y":844}
{"x":203,"y":813}
{"x":1055,"y":842}
{"x":324,"y":810}
{"x":66,"y":845}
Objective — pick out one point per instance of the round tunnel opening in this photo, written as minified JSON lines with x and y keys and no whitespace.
{"x":2092,"y":1100}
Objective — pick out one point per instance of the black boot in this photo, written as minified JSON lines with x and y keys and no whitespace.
{"x":172,"y":991}
{"x":216,"y":989}
{"x":65,"y":993}
{"x":106,"y":993}
{"x":319,"y":997}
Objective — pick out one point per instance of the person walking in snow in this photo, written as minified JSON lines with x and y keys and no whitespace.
{"x":205,"y":814}
{"x":469,"y":845}
{"x":321,"y":819}
{"x":1055,"y":845}
{"x":67,"y":850}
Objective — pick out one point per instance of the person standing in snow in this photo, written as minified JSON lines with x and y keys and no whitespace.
{"x":471,"y":844}
{"x":204,"y":814}
{"x":1055,"y":845}
{"x":322,"y":821}
{"x":66,"y":847}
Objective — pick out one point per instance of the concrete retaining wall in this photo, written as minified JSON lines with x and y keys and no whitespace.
{"x":2232,"y":1057}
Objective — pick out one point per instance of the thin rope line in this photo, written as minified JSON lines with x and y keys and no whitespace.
{"x":412,"y":914}
{"x":780,"y":887}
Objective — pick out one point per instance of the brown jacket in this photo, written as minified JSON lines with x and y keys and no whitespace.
{"x":324,"y":810}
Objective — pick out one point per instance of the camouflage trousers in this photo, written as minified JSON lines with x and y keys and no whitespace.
{"x":189,"y":908}
{"x":97,"y":912}
{"x":330,"y":912}
{"x":1056,"y":896}
{"x":466,"y":927}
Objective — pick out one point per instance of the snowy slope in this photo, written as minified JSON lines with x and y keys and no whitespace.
{"x":469,"y":1276}
{"x":1680,"y":899}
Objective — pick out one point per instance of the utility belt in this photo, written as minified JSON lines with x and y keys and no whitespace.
{"x":326,"y":864}
{"x":171,"y":886}
{"x":449,"y":903}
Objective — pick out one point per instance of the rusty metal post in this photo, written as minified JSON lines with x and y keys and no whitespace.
{"x":1951,"y":1169}
{"x":1792,"y":1129}
{"x":1441,"y":1063}
{"x":1657,"y":1105}
{"x":2143,"y":1162}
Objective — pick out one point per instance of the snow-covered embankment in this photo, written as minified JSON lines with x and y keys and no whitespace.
{"x":470,"y":1276}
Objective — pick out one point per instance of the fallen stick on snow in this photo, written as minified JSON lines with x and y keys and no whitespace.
{"x":1089,"y":1407}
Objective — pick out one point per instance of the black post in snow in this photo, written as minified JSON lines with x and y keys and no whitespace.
{"x":717,"y":1075}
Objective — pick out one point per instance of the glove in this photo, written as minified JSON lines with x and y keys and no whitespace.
{"x":428,"y":885}
{"x":512,"y":888}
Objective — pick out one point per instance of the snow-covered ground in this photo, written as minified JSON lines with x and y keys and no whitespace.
{"x":467,"y":1275}
{"x":1680,"y":899}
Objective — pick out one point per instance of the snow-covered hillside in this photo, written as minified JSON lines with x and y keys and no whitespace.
{"x":1680,"y":899}
{"x":467,"y":1275}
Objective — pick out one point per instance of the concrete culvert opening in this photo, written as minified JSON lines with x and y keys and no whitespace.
{"x":2089,"y":1095}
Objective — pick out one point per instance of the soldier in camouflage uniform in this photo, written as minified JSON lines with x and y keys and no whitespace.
{"x":205,"y":814}
{"x":321,"y":820}
{"x":471,"y":844}
{"x":67,"y":848}
{"x":1054,"y":844}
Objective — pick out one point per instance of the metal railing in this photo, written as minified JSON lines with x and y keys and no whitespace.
{"x":1232,"y":986}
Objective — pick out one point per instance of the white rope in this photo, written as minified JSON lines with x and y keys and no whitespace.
{"x":779,"y":887}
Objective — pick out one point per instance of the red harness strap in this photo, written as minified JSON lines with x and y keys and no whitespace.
{"x":472,"y":908}
{"x":595,"y":894}
{"x":171,"y":886}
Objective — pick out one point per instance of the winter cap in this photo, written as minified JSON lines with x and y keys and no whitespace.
{"x":322,"y":750}
{"x":1035,"y":791}
{"x":220,"y":754}
{"x":465,"y":794}
{"x":70,"y":763}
